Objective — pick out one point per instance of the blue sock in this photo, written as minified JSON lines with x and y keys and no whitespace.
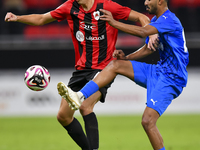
{"x":162,"y":148}
{"x":90,"y":88}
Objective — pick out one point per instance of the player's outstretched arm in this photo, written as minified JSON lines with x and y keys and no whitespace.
{"x":144,"y":20}
{"x":130,"y":29}
{"x":33,"y":19}
{"x":139,"y":17}
{"x":140,"y":53}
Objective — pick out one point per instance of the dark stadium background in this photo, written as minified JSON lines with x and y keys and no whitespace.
{"x":22,"y":46}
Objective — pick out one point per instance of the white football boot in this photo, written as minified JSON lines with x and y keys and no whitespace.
{"x":70,"y":96}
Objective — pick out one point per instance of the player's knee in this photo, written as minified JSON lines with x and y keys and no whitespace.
{"x":114,"y":65}
{"x":147,"y":123}
{"x":64,"y":120}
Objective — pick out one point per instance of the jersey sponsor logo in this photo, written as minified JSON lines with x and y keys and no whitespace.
{"x":154,"y":102}
{"x":86,"y":26}
{"x":95,"y":38}
{"x":96,"y":15}
{"x":79,"y":36}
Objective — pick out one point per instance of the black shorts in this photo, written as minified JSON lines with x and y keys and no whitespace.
{"x":81,"y":77}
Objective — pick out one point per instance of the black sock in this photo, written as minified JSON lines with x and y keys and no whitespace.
{"x":76,"y":132}
{"x":91,"y":128}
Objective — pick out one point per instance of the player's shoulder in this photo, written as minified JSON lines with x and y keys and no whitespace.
{"x":173,"y":19}
{"x":67,"y":4}
{"x":169,"y":16}
{"x":108,"y":4}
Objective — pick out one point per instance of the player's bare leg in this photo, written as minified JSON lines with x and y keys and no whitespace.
{"x":65,"y":114}
{"x":90,"y":120}
{"x":72,"y":125}
{"x":65,"y":117}
{"x":88,"y":104}
{"x":149,"y":119}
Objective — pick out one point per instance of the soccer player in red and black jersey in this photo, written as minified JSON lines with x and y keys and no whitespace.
{"x":94,"y":43}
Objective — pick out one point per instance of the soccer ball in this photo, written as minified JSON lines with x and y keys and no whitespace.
{"x":37,"y":78}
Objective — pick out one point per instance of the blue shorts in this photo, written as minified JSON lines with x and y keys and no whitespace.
{"x":161,"y":90}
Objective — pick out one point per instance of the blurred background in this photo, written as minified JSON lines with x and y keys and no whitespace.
{"x":51,"y":46}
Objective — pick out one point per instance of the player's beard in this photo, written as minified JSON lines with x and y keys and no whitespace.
{"x":151,"y":10}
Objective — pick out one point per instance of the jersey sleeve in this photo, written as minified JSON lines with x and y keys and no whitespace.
{"x":147,"y":40}
{"x":61,"y":12}
{"x":118,"y":11}
{"x":164,"y":24}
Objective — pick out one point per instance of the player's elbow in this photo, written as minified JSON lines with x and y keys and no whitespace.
{"x":41,"y":20}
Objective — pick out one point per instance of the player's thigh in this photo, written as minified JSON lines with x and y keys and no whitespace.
{"x":88,"y":104}
{"x":124,"y":67}
{"x":65,"y":112}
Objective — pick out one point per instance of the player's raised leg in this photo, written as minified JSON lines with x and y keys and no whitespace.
{"x":115,"y":67}
{"x":106,"y":76}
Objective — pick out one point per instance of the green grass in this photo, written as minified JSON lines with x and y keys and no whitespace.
{"x":180,"y":132}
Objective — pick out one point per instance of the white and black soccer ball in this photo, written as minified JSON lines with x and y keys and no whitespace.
{"x":37,"y":78}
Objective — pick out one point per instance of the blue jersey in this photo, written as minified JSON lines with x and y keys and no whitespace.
{"x":174,"y":55}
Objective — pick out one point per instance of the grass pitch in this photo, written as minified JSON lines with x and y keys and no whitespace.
{"x":180,"y":132}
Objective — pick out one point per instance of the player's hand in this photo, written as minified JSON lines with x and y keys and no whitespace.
{"x":10,"y":17}
{"x":107,"y":16}
{"x":153,"y":42}
{"x":119,"y":54}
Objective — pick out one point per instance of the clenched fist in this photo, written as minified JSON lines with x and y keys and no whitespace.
{"x":119,"y":54}
{"x":10,"y":17}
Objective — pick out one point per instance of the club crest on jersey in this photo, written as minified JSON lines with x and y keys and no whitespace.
{"x":79,"y":36}
{"x":96,"y":15}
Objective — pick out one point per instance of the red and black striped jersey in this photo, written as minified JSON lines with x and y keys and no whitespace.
{"x":94,"y":40}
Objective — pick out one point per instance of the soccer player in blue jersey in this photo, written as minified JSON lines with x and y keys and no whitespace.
{"x":164,"y":81}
